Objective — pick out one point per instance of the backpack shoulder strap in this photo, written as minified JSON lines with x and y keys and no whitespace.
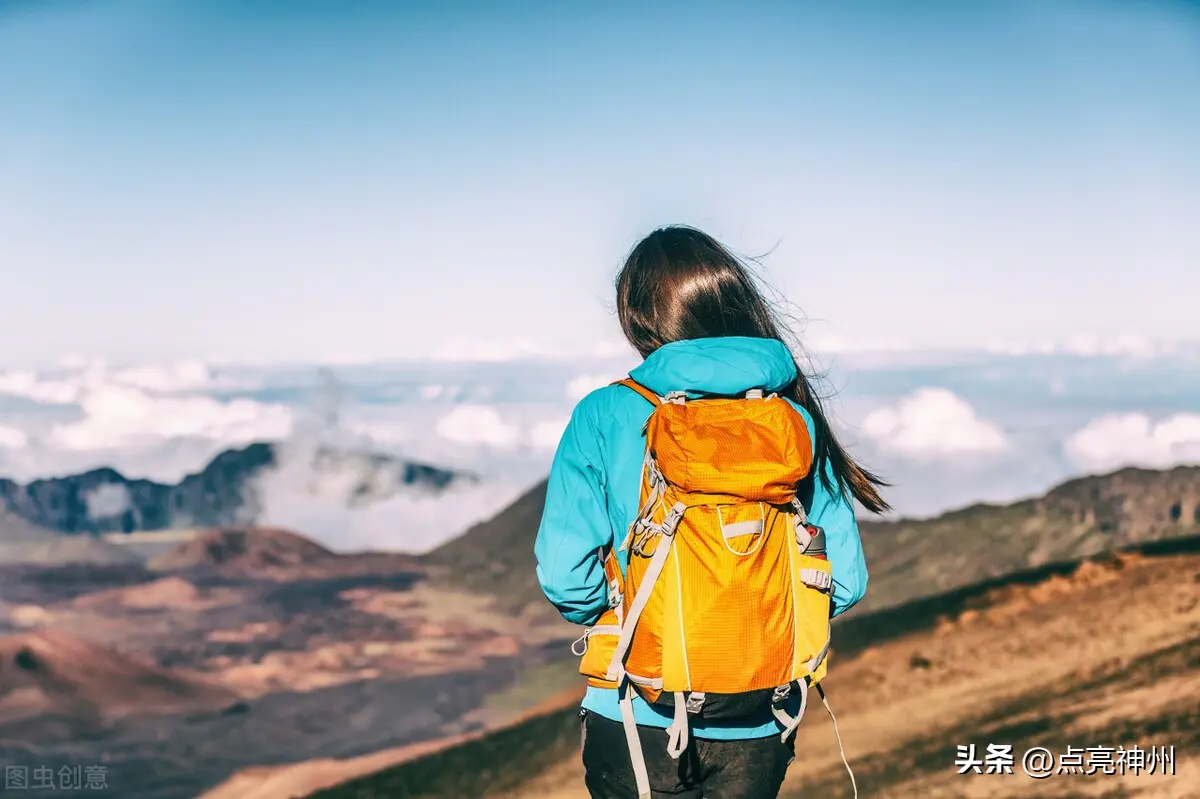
{"x":646,"y":393}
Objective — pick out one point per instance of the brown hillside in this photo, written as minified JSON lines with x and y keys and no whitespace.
{"x":1100,"y":653}
{"x":913,"y":558}
{"x":243,"y":548}
{"x":22,"y":542}
{"x":908,"y":558}
{"x":53,"y":681}
{"x":496,"y":557}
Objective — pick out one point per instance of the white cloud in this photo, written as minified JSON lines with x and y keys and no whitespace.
{"x":579,"y":387}
{"x":490,"y":351}
{"x":12,"y":438}
{"x":1021,"y":348}
{"x":1089,"y":345}
{"x":932,"y":423}
{"x":831,"y":343}
{"x":499,"y":351}
{"x":1128,"y":344}
{"x":107,"y":500}
{"x":1121,"y":344}
{"x":546,"y":435}
{"x":83,"y":377}
{"x":410,"y":521}
{"x":1133,"y":439}
{"x":30,"y":385}
{"x":117,"y":415}
{"x":122,"y":406}
{"x":613,"y":349}
{"x":181,"y":376}
{"x":476,"y":424}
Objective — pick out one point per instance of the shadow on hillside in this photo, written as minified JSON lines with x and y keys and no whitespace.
{"x":856,"y":632}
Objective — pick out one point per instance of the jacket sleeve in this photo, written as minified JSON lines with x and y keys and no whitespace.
{"x":834,"y":513}
{"x":575,"y":530}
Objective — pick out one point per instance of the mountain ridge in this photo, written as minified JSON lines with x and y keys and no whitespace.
{"x":1077,"y":518}
{"x":224,"y":492}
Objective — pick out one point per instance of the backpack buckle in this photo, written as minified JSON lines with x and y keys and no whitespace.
{"x":694,"y":702}
{"x":674,"y":516}
{"x":643,"y":531}
{"x":615,"y":594}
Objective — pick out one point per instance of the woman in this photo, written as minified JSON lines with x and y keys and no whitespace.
{"x":693,"y":312}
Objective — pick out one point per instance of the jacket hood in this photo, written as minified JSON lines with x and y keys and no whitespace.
{"x":725,"y":366}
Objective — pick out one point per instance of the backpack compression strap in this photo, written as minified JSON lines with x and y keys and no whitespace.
{"x":646,"y":393}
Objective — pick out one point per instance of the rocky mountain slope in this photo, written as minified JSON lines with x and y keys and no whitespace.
{"x":925,"y":574}
{"x":316,"y":654}
{"x":1098,"y":653}
{"x":53,"y":684}
{"x":908,"y":558}
{"x":226,"y":491}
{"x":496,"y":557}
{"x":244,"y":548}
{"x":22,"y":541}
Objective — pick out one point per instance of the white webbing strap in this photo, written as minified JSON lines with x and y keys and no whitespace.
{"x":801,"y":514}
{"x":637,"y":757}
{"x":820,"y":656}
{"x":803,"y":536}
{"x":790,"y":723}
{"x":653,"y":571}
{"x":838,"y":735}
{"x":816,"y":578}
{"x":658,"y":484}
{"x":653,"y":683}
{"x":677,"y":733}
{"x":599,"y":629}
{"x":616,"y":667}
{"x":782,"y":692}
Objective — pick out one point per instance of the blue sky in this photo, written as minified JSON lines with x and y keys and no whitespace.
{"x":302,"y":180}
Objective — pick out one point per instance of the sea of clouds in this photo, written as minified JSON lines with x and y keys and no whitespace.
{"x":947,"y":428}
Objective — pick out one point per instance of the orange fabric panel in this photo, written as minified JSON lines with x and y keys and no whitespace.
{"x":599,"y":652}
{"x":753,"y":449}
{"x":600,"y":646}
{"x":737,"y":608}
{"x":645,"y":657}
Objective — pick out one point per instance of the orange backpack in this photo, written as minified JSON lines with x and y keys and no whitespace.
{"x":724,"y":607}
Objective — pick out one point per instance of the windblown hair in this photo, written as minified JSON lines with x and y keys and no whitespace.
{"x":679,"y":283}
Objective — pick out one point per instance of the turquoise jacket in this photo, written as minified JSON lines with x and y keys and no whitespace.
{"x":592,"y":496}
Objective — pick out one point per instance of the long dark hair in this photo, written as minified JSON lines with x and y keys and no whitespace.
{"x":680,"y":283}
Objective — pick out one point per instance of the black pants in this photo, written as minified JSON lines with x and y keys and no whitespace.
{"x":750,"y":769}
